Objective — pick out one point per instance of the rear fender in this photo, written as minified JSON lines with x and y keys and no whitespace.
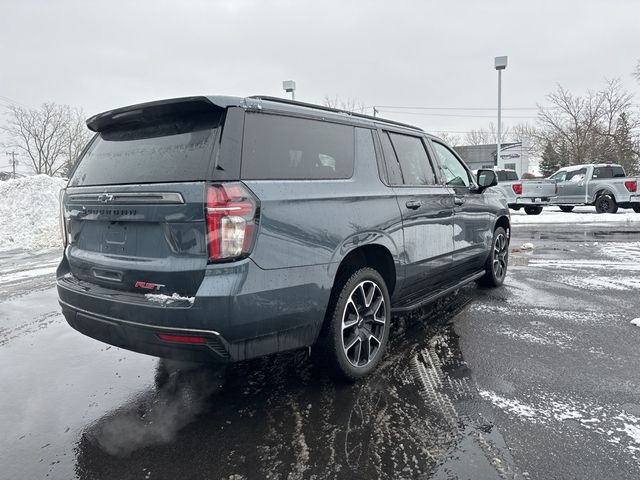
{"x":369,"y":237}
{"x":606,"y":189}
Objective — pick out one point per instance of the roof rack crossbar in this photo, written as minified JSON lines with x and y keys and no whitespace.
{"x":332,"y":110}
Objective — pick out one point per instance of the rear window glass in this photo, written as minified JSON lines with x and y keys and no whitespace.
{"x":287,"y":148}
{"x":414,"y":162}
{"x":602,"y":172}
{"x":393,"y":167}
{"x":171,"y":151}
{"x":506,"y":176}
{"x":618,"y":172}
{"x":608,"y":172}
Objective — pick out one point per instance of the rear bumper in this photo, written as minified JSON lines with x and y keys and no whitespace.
{"x":143,"y":338}
{"x":534,"y":200}
{"x":240,"y":311}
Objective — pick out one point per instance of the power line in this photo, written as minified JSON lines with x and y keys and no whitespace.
{"x":9,"y":101}
{"x":491,"y":109}
{"x":456,"y":108}
{"x":453,"y":114}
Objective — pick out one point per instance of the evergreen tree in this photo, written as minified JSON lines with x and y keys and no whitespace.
{"x":551,"y":161}
{"x":624,"y":146}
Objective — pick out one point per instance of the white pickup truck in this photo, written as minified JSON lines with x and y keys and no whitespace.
{"x":530,"y":194}
{"x":603,"y":185}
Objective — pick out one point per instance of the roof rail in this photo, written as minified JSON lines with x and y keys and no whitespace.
{"x":333,"y":110}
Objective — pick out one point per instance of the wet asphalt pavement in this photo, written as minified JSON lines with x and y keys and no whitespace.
{"x":537,"y":379}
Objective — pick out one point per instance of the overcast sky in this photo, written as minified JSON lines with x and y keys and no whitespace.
{"x":100,"y":55}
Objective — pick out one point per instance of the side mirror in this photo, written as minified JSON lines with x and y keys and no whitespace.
{"x":486,"y":179}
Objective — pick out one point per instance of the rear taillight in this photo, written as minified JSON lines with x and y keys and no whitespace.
{"x":631,"y":185}
{"x":232,"y":220}
{"x":517,"y":188}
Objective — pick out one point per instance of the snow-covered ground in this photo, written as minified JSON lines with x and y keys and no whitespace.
{"x":29,"y":213}
{"x":579,"y":215}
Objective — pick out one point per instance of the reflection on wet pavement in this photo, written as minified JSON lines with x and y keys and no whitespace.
{"x":282,"y":417}
{"x":537,"y":379}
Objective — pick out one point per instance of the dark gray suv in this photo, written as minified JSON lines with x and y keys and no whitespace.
{"x":224,"y":229}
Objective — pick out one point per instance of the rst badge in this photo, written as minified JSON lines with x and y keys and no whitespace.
{"x":148,"y":286}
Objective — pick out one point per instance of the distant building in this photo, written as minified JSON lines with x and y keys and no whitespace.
{"x":513,"y":156}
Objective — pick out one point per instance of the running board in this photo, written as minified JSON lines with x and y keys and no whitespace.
{"x":437,"y":294}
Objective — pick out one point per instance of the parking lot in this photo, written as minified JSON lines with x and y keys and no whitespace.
{"x":536,"y":379}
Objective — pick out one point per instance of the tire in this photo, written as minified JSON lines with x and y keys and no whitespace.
{"x":606,"y":204}
{"x":496,"y":265}
{"x":360,"y":300}
{"x":530,"y":210}
{"x":636,"y":207}
{"x":566,"y":208}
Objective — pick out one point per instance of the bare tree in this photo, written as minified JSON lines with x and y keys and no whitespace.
{"x":480,"y":136}
{"x":598,"y":126}
{"x":453,"y":140}
{"x":571,"y":123}
{"x":486,"y":136}
{"x":349,"y":105}
{"x":77,"y":137}
{"x":636,"y":72}
{"x":51,"y":136}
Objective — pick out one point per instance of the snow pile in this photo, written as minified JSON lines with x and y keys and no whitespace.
{"x":580,"y":215}
{"x":29,"y":213}
{"x":168,"y":300}
{"x":636,"y":322}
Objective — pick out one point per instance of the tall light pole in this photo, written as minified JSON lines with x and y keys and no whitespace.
{"x":289,"y":86}
{"x":500,"y":65}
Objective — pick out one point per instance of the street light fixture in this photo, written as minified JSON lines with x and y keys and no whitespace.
{"x":500,"y":65}
{"x":289,"y":86}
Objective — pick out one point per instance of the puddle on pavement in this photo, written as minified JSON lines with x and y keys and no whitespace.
{"x":573,"y":234}
{"x":281,"y":417}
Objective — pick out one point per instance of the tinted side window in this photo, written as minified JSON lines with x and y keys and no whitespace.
{"x":618,"y":172}
{"x":577,"y":175}
{"x":455,"y":173}
{"x":414,"y":162}
{"x":287,"y":148}
{"x":603,"y":172}
{"x":559,"y":176}
{"x":391,"y":161}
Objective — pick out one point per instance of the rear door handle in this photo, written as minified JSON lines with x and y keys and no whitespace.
{"x":413,"y":204}
{"x":458,"y":200}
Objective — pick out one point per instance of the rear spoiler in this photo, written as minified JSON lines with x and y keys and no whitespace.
{"x":145,"y":112}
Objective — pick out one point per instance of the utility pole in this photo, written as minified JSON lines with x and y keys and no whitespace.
{"x":500,"y":65}
{"x":13,"y":161}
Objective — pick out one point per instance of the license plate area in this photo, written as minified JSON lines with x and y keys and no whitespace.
{"x":114,"y":239}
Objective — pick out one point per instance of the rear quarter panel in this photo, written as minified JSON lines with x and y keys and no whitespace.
{"x":613,"y":185}
{"x":318,"y":222}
